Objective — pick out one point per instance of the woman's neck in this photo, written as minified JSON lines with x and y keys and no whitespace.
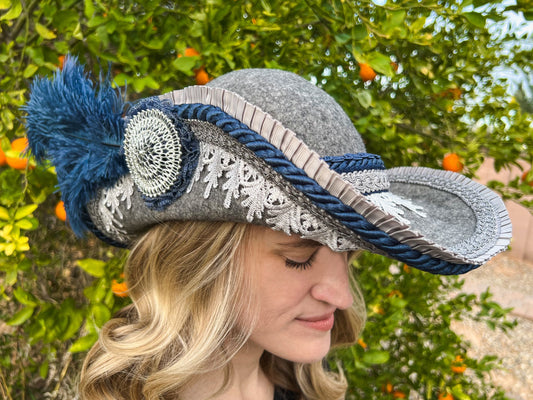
{"x":247,"y":380}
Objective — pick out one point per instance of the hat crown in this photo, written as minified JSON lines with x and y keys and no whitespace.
{"x":300,"y":106}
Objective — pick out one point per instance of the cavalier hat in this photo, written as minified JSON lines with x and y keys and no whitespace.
{"x":256,"y":146}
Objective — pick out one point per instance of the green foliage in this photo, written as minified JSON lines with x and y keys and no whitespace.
{"x":434,"y":94}
{"x":521,"y":188}
{"x":407,"y":346}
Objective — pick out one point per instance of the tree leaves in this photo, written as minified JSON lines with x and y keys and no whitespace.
{"x":380,"y":62}
{"x":376,"y":357}
{"x":420,"y":50}
{"x":4,"y":214}
{"x":93,"y":267}
{"x":84,"y":343}
{"x":20,"y":316}
{"x":44,"y":31}
{"x":24,"y":211}
{"x":475,"y":19}
{"x":15,"y":9}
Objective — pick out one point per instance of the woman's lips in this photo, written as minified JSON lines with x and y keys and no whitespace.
{"x":320,"y":323}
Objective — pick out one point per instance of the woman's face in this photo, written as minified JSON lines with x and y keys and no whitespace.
{"x":298,"y":286}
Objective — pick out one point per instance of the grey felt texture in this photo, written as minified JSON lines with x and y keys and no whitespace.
{"x":450,"y":228}
{"x":451,"y":220}
{"x":191,"y":206}
{"x":307,"y":110}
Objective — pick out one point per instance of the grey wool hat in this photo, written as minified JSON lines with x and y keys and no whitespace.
{"x":255,"y":146}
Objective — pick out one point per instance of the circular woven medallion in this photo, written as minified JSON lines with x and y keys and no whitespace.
{"x":153,"y":152}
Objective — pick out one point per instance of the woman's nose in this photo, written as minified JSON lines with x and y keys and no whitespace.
{"x":333,"y":284}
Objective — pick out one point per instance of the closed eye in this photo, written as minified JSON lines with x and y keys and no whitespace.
{"x":300,"y":265}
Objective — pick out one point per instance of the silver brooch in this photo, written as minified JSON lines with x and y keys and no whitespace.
{"x":153,"y":152}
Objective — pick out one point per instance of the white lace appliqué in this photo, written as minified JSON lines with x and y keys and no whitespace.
{"x":391,"y":203}
{"x":374,"y":184}
{"x":109,"y":205}
{"x":367,"y":181}
{"x":262,"y":199}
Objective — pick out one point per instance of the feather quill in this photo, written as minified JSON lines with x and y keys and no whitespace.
{"x":78,"y":126}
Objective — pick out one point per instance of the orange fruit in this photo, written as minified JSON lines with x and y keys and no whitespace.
{"x":362,"y":343}
{"x":457,"y":365}
{"x":455,"y":93}
{"x":398,"y":395}
{"x":60,"y":211}
{"x":459,"y":369}
{"x":119,"y":289}
{"x":366,"y":72}
{"x":191,"y":52}
{"x":18,"y":145}
{"x":61,"y":61}
{"x":452,"y":162}
{"x":201,"y":76}
{"x":523,"y":178}
{"x":2,"y":158}
{"x":445,"y":396}
{"x":394,"y":66}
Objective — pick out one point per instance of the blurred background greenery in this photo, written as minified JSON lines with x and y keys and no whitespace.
{"x":422,"y":81}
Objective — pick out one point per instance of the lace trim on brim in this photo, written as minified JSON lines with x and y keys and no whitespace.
{"x":490,"y":213}
{"x":262,"y":198}
{"x":303,"y":157}
{"x":229,"y":153}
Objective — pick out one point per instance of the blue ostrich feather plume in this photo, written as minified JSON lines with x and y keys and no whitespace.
{"x":78,"y":126}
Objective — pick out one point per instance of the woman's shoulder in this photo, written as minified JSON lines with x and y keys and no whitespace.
{"x":284,"y":394}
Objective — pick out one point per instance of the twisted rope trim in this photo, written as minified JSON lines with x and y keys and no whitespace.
{"x":317,"y":169}
{"x":354,"y":162}
{"x":318,"y":195}
{"x":208,"y":133}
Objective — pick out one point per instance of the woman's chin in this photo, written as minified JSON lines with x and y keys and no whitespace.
{"x":307,"y":351}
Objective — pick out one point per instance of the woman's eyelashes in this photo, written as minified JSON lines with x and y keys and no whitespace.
{"x":300,"y":265}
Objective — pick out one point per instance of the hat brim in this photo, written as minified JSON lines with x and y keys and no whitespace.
{"x":465,"y":224}
{"x":257,"y":146}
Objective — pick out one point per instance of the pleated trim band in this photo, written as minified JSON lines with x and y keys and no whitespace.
{"x":492,"y":219}
{"x":317,"y":169}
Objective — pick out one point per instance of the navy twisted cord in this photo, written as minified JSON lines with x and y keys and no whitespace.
{"x":318,"y":195}
{"x":355,"y":162}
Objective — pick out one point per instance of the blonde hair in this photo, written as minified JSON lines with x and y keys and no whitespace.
{"x":190,"y":296}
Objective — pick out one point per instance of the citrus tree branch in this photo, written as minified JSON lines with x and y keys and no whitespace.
{"x":13,"y":33}
{"x":409,"y":128}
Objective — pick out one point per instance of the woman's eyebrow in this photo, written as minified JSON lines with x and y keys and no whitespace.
{"x":300,"y":243}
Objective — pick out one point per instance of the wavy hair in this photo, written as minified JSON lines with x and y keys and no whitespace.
{"x":190,"y":295}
